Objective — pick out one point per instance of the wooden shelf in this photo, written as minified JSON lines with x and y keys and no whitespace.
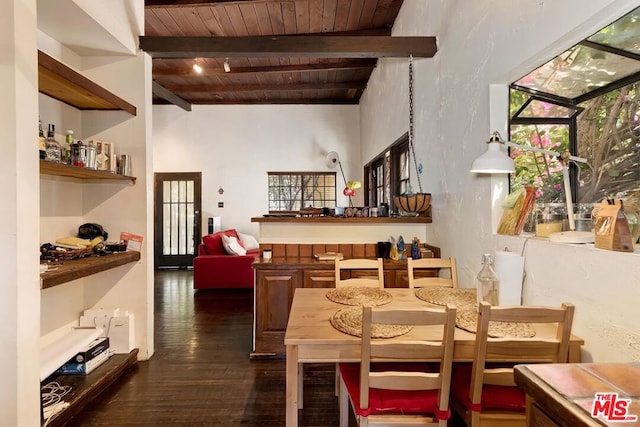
{"x":344,"y":220}
{"x":67,"y":85}
{"x":77,"y":268}
{"x":85,"y":388}
{"x":60,"y":169}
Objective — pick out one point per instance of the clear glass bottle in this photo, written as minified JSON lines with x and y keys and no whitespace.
{"x":54,"y":149}
{"x":487,"y":281}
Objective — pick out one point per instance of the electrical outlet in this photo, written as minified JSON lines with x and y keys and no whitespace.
{"x":221,"y":204}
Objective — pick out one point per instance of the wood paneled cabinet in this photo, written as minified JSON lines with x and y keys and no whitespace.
{"x":276,"y":282}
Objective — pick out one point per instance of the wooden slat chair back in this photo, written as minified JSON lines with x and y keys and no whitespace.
{"x":376,"y":279}
{"x":394,"y":378}
{"x":432,"y":263}
{"x":520,"y":350}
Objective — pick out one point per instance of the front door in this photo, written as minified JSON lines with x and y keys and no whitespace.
{"x":177,"y":218}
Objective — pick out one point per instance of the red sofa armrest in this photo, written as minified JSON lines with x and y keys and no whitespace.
{"x":223,"y":271}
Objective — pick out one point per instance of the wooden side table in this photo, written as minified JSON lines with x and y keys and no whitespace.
{"x":564,"y":394}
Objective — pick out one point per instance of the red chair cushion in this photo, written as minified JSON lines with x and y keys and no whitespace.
{"x":494,"y":397}
{"x":383,"y":401}
{"x":213,"y":242}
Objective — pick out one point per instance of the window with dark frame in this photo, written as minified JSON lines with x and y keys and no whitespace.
{"x":291,"y":191}
{"x":585,"y":100}
{"x":387,"y":175}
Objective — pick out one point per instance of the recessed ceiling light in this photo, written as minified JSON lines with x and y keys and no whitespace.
{"x":197,"y":68}
{"x":227,"y":67}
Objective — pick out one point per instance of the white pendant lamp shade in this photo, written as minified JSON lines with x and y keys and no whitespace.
{"x":494,"y":160}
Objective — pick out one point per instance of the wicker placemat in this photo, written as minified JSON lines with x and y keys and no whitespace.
{"x":440,"y":295}
{"x":468,"y":320}
{"x":349,"y":321}
{"x":359,"y":295}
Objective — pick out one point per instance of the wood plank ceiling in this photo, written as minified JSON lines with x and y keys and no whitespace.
{"x":278,"y":51}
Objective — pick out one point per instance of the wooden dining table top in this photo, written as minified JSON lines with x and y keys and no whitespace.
{"x":309,"y":326}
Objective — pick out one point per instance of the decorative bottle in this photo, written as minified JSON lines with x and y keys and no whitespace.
{"x":487,"y":281}
{"x":66,"y":150}
{"x":41,"y":141}
{"x":54,"y":149}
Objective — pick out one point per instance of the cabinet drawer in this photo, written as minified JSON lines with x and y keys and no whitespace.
{"x":319,"y":279}
{"x":538,"y":418}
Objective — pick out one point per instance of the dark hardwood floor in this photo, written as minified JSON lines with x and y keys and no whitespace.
{"x":201,"y":374}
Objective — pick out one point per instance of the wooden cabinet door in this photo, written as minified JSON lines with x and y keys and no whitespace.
{"x":274,"y":295}
{"x":319,"y":279}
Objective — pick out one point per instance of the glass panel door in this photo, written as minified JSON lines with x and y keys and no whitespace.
{"x":178,"y":199}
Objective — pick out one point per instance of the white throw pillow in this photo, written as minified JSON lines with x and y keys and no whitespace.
{"x":248,"y":241}
{"x":231,"y":246}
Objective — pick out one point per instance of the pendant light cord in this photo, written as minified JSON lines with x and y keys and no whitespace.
{"x":413,"y":151}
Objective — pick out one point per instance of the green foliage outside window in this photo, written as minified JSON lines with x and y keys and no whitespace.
{"x":608,"y":136}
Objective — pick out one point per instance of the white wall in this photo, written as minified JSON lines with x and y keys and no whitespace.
{"x":19,"y":292}
{"x":235,"y":146}
{"x":480,"y":44}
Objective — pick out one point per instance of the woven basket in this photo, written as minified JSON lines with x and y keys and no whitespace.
{"x":413,"y":203}
{"x":65,"y":254}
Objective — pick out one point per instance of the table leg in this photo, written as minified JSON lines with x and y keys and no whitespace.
{"x":292,"y":381}
{"x":300,"y":385}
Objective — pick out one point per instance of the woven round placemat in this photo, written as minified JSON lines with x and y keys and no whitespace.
{"x":468,"y":320}
{"x":359,"y":295}
{"x":440,"y":295}
{"x":349,"y":321}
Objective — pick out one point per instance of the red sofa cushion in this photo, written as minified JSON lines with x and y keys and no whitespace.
{"x":213,"y":242}
{"x":494,"y":397}
{"x":383,"y":401}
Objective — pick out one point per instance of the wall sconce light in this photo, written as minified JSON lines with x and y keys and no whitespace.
{"x":494,"y":160}
{"x":227,"y":67}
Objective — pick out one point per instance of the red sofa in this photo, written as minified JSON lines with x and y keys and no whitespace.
{"x":214,"y":268}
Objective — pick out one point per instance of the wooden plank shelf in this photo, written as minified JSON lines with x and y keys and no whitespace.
{"x":67,"y":85}
{"x":60,"y":169}
{"x":344,"y":220}
{"x":74,"y":269}
{"x":85,"y":388}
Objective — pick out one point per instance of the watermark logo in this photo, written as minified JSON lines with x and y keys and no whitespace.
{"x":612,"y":408}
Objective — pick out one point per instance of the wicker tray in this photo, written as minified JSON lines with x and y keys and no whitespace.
{"x":64,"y":254}
{"x":468,"y":320}
{"x":440,"y":295}
{"x":359,"y":295}
{"x":349,"y":321}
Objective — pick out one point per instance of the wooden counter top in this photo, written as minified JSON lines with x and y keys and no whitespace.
{"x":566,"y":392}
{"x":284,"y":263}
{"x":343,"y":220}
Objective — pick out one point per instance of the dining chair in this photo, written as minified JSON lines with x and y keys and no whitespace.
{"x":485,"y":394}
{"x":432,"y":263}
{"x":357,"y":275}
{"x":397,"y":390}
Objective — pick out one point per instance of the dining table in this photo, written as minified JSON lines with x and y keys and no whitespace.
{"x":311,"y":338}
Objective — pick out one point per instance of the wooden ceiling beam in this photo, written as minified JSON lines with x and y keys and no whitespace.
{"x":290,"y":87}
{"x":167,"y":95}
{"x":191,"y":3}
{"x":318,"y":46}
{"x":305,"y":68}
{"x":280,"y":101}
